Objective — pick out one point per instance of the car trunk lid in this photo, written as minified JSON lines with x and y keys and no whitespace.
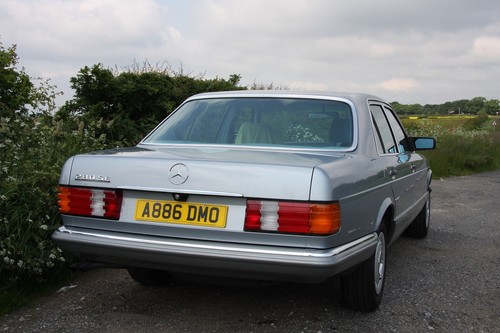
{"x":242,"y":172}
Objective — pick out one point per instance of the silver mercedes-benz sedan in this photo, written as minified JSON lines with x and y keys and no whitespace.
{"x":266,"y":185}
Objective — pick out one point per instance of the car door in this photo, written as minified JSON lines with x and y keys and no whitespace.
{"x":401,"y":163}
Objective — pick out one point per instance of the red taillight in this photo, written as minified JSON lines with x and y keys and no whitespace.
{"x":252,"y":216}
{"x":90,"y":202}
{"x":292,"y":217}
{"x":112,"y":204}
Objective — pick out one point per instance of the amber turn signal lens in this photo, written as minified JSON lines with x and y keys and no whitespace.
{"x":325,"y":219}
{"x":63,"y":202}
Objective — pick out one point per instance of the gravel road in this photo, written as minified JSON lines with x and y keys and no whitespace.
{"x":449,"y":282}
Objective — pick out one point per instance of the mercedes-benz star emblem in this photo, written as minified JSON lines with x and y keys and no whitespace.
{"x":178,"y":174}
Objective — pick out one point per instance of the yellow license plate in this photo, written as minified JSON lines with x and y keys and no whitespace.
{"x":181,"y":213}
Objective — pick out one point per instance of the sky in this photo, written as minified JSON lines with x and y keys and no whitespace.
{"x":425,"y":51}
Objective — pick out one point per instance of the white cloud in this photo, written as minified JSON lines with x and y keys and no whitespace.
{"x":87,"y":32}
{"x":416,"y":52}
{"x":399,"y":84}
{"x":487,"y":47}
{"x":381,"y":49}
{"x":298,"y":85}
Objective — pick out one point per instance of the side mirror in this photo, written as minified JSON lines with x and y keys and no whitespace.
{"x":422,"y":143}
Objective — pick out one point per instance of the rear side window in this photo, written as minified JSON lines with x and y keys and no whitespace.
{"x":389,"y":134}
{"x":399,"y":134}
{"x":383,"y":132}
{"x":289,"y":122}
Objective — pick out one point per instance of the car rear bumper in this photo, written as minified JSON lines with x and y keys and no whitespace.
{"x":215,"y":259}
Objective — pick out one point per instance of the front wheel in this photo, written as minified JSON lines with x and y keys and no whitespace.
{"x":362,"y":289}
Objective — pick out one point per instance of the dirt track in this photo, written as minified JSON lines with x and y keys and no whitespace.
{"x":449,"y":282}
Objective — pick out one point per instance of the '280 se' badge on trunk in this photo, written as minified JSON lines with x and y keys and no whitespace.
{"x":93,"y":178}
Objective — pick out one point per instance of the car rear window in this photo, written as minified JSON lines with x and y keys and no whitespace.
{"x":290,"y":122}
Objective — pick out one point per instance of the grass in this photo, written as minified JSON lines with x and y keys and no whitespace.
{"x":457,"y":155}
{"x":465,"y":144}
{"x":446,"y":122}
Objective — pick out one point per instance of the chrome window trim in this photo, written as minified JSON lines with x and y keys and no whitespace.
{"x":355,"y":127}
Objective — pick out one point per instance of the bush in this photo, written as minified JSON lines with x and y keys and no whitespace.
{"x":476,"y":123}
{"x":33,"y":150}
{"x":136,"y":99}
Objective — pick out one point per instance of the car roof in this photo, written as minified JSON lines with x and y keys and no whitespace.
{"x":354,"y":97}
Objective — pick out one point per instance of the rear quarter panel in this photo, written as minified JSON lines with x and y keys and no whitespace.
{"x":360,"y":186}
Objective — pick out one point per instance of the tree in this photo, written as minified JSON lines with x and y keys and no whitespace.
{"x":407,"y":108}
{"x":476,"y":105}
{"x":18,"y":94}
{"x":136,"y":98}
{"x":16,"y":89}
{"x":492,"y":106}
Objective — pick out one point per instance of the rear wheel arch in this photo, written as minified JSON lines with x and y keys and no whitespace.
{"x":386,"y":216}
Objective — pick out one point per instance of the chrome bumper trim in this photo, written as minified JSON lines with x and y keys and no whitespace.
{"x":363,"y":241}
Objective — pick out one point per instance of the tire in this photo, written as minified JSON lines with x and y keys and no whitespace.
{"x":149,"y":277}
{"x":363,"y":288}
{"x":419,"y":228}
